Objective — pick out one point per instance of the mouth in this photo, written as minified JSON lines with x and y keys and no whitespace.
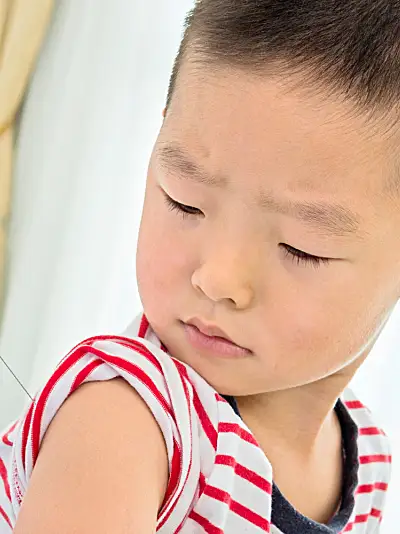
{"x":208,"y":329}
{"x":212,"y":339}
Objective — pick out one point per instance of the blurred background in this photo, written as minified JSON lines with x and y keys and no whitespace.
{"x":83,"y":137}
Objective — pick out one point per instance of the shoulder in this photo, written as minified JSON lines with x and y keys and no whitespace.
{"x":103,"y":455}
{"x":103,"y":420}
{"x":107,"y":393}
{"x":103,"y":374}
{"x":101,"y":406}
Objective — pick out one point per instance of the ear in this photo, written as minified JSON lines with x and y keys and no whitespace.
{"x":164,"y":112}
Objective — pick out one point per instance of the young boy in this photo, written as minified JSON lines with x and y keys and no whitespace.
{"x":268,"y":263}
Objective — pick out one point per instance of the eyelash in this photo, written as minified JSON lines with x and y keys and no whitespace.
{"x":295,"y":255}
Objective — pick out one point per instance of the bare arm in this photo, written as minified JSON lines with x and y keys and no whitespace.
{"x":102,"y":468}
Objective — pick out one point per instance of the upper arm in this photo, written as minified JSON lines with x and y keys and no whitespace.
{"x":102,"y":467}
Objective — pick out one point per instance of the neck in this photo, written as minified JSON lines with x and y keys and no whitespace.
{"x":298,"y":416}
{"x":302,"y":416}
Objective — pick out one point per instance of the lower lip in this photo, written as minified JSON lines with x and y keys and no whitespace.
{"x":216,"y":345}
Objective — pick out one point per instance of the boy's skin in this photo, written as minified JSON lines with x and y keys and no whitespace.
{"x":309,"y":329}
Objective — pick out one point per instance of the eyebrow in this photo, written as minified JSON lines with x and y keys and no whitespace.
{"x":330,"y":219}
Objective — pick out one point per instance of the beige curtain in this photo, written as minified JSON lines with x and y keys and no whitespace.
{"x":23,"y":24}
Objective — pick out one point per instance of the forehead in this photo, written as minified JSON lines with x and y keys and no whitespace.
{"x":255,"y":129}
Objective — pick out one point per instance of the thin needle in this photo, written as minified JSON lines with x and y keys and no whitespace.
{"x":16,"y":378}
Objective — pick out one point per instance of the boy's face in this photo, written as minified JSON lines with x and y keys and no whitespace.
{"x":228,"y":264}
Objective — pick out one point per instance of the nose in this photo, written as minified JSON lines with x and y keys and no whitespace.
{"x":226,"y":276}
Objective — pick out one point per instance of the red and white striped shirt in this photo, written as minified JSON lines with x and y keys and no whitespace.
{"x":220,"y":479}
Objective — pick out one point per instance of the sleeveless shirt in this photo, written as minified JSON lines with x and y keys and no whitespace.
{"x":220,"y":481}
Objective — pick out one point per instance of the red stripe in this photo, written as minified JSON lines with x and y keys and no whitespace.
{"x":144,"y":351}
{"x":138,"y":347}
{"x":4,"y":477}
{"x":202,"y":483}
{"x":138,"y":373}
{"x":2,"y":513}
{"x":376,"y":513}
{"x":348,"y":527}
{"x":25,"y":432}
{"x":354,"y":405}
{"x":83,"y":374}
{"x":42,"y":400}
{"x":208,"y":527}
{"x":69,"y":361}
{"x":66,"y":366}
{"x":371,"y":431}
{"x":85,"y":343}
{"x":205,"y":421}
{"x":234,"y":428}
{"x":237,"y":508}
{"x":375,"y":458}
{"x":129,"y":343}
{"x":123,"y":341}
{"x":174,"y":476}
{"x":177,"y":495}
{"x":369,"y":488}
{"x":193,"y":514}
{"x":144,"y":325}
{"x":82,"y":351}
{"x":244,"y":472}
{"x":5,"y":438}
{"x":184,"y":379}
{"x":363,"y":518}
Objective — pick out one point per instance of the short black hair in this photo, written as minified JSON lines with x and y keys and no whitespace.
{"x":349,"y":46}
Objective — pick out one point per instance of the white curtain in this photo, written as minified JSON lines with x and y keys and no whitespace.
{"x":87,"y":130}
{"x":86,"y":133}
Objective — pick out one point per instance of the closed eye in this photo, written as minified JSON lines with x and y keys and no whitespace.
{"x":182,"y":209}
{"x":299,"y":256}
{"x":296,"y":255}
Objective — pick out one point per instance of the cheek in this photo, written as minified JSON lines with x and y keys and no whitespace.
{"x":307,"y":331}
{"x":161,"y":260}
{"x":151,"y":259}
{"x":325,"y":334}
{"x":307,"y":321}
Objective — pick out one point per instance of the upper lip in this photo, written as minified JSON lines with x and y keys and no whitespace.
{"x":209,"y":329}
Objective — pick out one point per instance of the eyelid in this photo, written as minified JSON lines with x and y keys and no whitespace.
{"x":296,"y":250}
{"x":183,"y":209}
{"x":295,"y":254}
{"x":307,"y":259}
